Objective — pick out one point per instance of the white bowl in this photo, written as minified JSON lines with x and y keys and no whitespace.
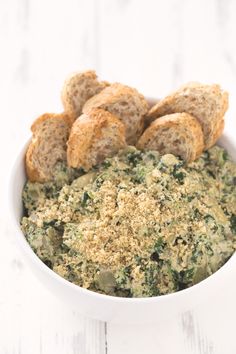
{"x":109,"y":308}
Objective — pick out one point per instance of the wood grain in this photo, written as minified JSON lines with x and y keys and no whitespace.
{"x":154,"y":46}
{"x":41,"y":42}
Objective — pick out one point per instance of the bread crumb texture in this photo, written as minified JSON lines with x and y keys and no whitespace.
{"x":138,"y":225}
{"x":178,"y":133}
{"x":47,"y":146}
{"x":207,"y":103}
{"x":78,"y":88}
{"x":94,"y":136}
{"x":126,"y":103}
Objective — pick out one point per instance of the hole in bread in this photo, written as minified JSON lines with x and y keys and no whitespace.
{"x":176,"y":142}
{"x":124,"y":103}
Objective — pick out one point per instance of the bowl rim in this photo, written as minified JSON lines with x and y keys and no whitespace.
{"x":28,"y":251}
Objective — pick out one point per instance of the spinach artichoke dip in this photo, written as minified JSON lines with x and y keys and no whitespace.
{"x":138,"y":225}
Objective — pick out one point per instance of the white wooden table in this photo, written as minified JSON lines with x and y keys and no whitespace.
{"x":152,"y":45}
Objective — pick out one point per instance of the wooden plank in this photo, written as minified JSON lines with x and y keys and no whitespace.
{"x":41,"y":42}
{"x":140,"y":44}
{"x":151,"y":45}
{"x":34,"y":320}
{"x":208,"y":329}
{"x":156,"y":47}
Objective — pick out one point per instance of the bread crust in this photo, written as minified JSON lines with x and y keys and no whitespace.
{"x":47,"y":146}
{"x":126,"y":103}
{"x":218,"y":131}
{"x":67,"y":118}
{"x":78,"y":88}
{"x":177,"y":133}
{"x":94,"y":136}
{"x":31,"y":171}
{"x":207,"y":103}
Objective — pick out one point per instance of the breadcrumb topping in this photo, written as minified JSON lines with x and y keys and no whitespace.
{"x":138,"y":225}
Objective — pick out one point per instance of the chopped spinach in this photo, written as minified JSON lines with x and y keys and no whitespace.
{"x":233,"y":223}
{"x":85,"y":198}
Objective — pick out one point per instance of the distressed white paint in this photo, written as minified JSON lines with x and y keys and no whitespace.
{"x":41,"y":42}
{"x":152,"y":45}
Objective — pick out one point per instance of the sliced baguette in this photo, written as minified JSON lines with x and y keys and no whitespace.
{"x":218,"y":131}
{"x":178,"y":133}
{"x":124,"y":102}
{"x":48,"y":145}
{"x":78,"y":88}
{"x":207,"y":103}
{"x":94,"y":136}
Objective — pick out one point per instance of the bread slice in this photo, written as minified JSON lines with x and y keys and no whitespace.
{"x":48,"y":145}
{"x":179,"y":134}
{"x":124,"y":102}
{"x":207,"y":103}
{"x":218,"y":131}
{"x":78,"y":88}
{"x":94,"y":136}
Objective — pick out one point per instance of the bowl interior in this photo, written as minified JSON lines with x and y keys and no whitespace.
{"x":106,"y":307}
